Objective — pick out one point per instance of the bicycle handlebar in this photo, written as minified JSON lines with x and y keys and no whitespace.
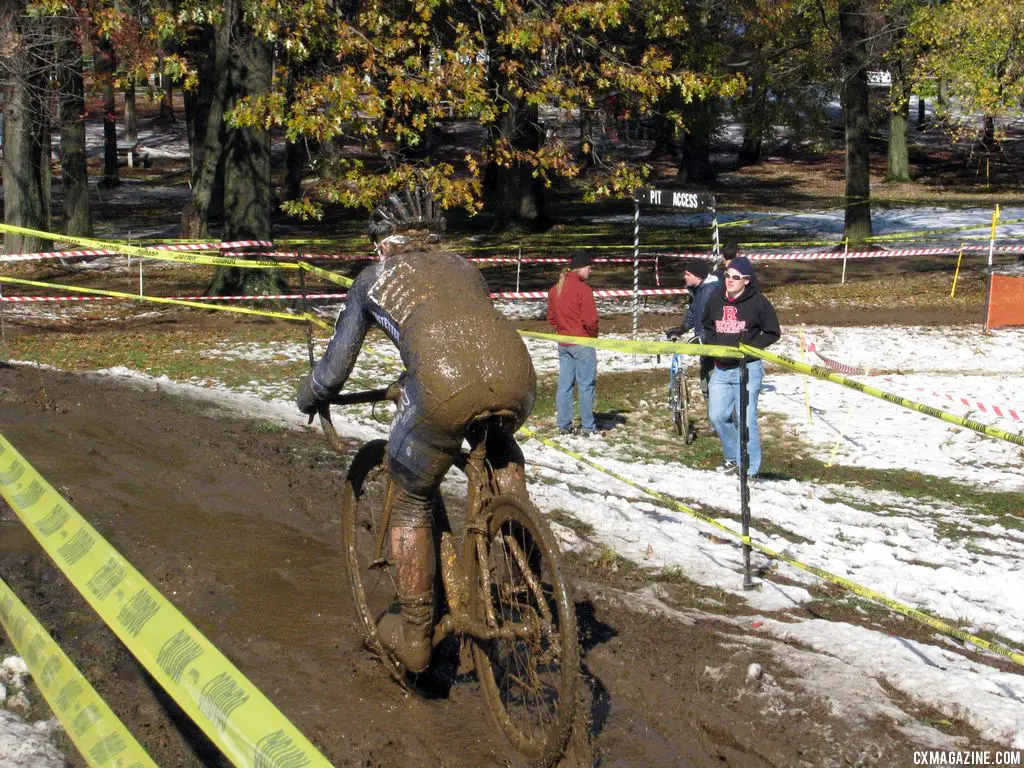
{"x":392,"y":392}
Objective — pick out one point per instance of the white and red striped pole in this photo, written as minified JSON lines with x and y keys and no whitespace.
{"x":636,"y":265}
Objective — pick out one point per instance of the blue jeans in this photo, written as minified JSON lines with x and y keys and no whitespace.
{"x":723,"y":412}
{"x":576,"y":365}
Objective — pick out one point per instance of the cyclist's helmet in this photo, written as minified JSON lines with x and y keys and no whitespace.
{"x":412,"y":208}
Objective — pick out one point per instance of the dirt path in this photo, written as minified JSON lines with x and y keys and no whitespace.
{"x":235,"y":520}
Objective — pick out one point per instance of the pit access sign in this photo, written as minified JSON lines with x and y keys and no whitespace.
{"x":676,"y":198}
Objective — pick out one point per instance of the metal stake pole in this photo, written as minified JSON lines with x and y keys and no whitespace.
{"x":3,"y":327}
{"x":992,"y":237}
{"x":305,"y":311}
{"x":743,"y":463}
{"x":636,"y":266}
{"x":846,"y":250}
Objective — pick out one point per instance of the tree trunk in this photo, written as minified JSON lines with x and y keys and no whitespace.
{"x":247,"y":152}
{"x":105,"y":65}
{"x":295,"y":164}
{"x":209,"y":131}
{"x":166,"y":114}
{"x":23,"y":174}
{"x":664,"y":132}
{"x":857,"y":119}
{"x":516,"y":197}
{"x":294,"y":156}
{"x":695,"y":164}
{"x":131,"y":131}
{"x":246,"y":165}
{"x":754,"y":125}
{"x":75,"y":173}
{"x":897,"y":157}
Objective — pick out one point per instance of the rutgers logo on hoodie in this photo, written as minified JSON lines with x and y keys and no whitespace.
{"x":730,"y":322}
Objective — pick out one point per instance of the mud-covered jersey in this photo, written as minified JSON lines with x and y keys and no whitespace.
{"x":461,"y":355}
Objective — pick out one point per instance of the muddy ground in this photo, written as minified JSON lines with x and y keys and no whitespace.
{"x":236,"y":521}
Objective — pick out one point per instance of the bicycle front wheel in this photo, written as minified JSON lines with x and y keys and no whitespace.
{"x":529,"y":672}
{"x":366,"y":542}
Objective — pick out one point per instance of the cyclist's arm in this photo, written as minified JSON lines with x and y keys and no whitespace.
{"x":331,"y":373}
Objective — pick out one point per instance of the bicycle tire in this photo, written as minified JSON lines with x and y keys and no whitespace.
{"x":685,"y":426}
{"x":374,"y":589}
{"x":530,"y":683}
{"x":676,"y":392}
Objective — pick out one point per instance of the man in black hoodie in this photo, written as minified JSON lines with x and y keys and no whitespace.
{"x":738,"y":313}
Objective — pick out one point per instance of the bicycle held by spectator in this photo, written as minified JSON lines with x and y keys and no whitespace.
{"x":503,"y":592}
{"x":679,"y":401}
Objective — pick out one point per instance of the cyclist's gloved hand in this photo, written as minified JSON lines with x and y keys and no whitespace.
{"x":304,"y":397}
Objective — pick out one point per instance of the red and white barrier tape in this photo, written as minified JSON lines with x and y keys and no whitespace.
{"x":1001,"y":411}
{"x":276,"y":297}
{"x":231,"y":246}
{"x":839,"y":256}
{"x":598,"y":294}
{"x":650,"y":257}
{"x":530,"y":295}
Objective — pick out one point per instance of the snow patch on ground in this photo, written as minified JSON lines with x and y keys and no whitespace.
{"x":23,"y":744}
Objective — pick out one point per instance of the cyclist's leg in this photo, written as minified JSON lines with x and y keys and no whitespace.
{"x":419,"y":456}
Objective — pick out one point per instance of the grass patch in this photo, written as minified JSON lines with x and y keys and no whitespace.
{"x":579,"y":527}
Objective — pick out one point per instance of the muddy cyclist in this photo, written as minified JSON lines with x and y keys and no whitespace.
{"x":462,"y":358}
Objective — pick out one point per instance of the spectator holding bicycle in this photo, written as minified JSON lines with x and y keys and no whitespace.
{"x":701,"y":285}
{"x":573,"y":312}
{"x":738,"y":313}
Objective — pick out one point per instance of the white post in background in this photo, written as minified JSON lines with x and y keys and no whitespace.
{"x":716,"y":245}
{"x":636,"y":265}
{"x":519,"y":266}
{"x":992,"y":237}
{"x":846,"y":250}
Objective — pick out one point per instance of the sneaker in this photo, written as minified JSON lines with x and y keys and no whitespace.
{"x":588,"y":432}
{"x":565,"y":430}
{"x":728,"y":468}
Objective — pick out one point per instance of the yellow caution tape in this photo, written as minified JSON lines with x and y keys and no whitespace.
{"x":828,"y":375}
{"x":151,"y":253}
{"x":95,"y":730}
{"x":327,"y":275}
{"x":912,"y":613}
{"x":178,"y":302}
{"x":639,"y":347}
{"x":231,"y":711}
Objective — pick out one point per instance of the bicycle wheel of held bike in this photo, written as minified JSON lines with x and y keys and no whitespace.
{"x":529,"y":670}
{"x":681,"y":410}
{"x":367,"y":547}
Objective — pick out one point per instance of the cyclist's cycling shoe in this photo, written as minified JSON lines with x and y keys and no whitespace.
{"x":407,"y":635}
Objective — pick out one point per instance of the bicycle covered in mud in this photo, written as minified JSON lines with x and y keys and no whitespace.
{"x":504,"y":597}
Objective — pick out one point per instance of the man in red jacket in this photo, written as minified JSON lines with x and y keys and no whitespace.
{"x":572,"y":312}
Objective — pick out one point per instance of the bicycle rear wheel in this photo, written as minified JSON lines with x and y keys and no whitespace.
{"x":371,"y":577}
{"x":530,"y":677}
